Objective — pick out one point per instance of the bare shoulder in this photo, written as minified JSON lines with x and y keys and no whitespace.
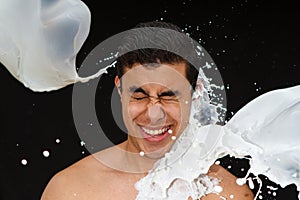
{"x":230,"y":189}
{"x":75,"y":180}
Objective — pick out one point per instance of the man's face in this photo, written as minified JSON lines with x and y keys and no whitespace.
{"x":155,"y":105}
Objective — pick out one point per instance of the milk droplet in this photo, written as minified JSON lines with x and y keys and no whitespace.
{"x":217,"y":162}
{"x":240,"y":181}
{"x":271,"y":187}
{"x":173,"y":137}
{"x":218,"y":189}
{"x":142,"y":153}
{"x":24,"y":162}
{"x":170,"y":131}
{"x":231,"y":196}
{"x":251,"y":184}
{"x":46,"y":153}
{"x":57,"y":140}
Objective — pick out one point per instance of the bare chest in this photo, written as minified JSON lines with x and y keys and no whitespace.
{"x":110,"y":187}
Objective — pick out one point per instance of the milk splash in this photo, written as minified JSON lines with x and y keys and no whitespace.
{"x":265,"y":129}
{"x":39,"y":41}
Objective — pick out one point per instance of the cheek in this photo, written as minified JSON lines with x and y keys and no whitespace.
{"x":181,"y":112}
{"x":186,"y":108}
{"x":174,"y":112}
{"x":130,"y":113}
{"x":129,"y":110}
{"x":133,"y":110}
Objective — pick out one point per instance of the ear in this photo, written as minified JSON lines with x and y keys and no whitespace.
{"x":118,"y":85}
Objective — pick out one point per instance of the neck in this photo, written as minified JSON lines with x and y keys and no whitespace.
{"x":133,"y":160}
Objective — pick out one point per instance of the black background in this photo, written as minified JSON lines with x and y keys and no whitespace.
{"x":255,"y":45}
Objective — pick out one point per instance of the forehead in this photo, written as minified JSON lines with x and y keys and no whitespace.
{"x":168,"y":75}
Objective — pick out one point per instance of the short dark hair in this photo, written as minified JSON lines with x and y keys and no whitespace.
{"x":155,"y":55}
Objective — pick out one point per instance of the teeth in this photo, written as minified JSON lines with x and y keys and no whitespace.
{"x":155,"y":132}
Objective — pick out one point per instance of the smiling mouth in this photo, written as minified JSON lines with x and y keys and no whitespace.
{"x":154,"y":132}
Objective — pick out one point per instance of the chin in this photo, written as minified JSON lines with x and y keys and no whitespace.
{"x":157,"y":151}
{"x":155,"y":155}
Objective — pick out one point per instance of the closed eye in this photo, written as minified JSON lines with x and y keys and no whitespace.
{"x":138,"y":93}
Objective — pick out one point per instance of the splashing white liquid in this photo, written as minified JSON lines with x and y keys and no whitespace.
{"x":265,"y":129}
{"x":142,"y":153}
{"x":24,"y":162}
{"x":46,"y":153}
{"x":39,"y":41}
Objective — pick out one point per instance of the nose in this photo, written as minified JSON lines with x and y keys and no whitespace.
{"x":156,"y":114}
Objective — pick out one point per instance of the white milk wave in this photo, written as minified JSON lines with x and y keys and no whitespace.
{"x":43,"y":56}
{"x":267,"y":129}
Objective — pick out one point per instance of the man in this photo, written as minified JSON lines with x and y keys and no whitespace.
{"x":155,"y":88}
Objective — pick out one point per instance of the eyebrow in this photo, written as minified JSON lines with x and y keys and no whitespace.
{"x":169,"y":93}
{"x":135,"y":89}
